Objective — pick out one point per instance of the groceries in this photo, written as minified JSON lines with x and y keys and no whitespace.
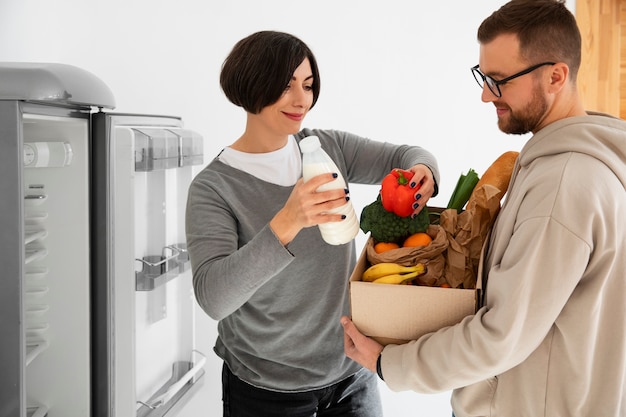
{"x":497,"y":175}
{"x":396,"y":193}
{"x":386,"y":226}
{"x":434,"y":284}
{"x":400,"y":313}
{"x":464,"y":187}
{"x":401,"y":273}
{"x":447,"y":241}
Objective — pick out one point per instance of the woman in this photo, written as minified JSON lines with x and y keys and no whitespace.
{"x":260,"y":266}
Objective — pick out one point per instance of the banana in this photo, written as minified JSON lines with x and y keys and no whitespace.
{"x":382,"y":269}
{"x":396,"y":278}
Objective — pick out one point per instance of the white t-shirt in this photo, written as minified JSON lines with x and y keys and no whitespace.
{"x":281,"y":167}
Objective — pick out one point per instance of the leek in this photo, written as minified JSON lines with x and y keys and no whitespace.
{"x":464,"y":187}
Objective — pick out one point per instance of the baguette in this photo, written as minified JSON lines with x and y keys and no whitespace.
{"x":498,"y":174}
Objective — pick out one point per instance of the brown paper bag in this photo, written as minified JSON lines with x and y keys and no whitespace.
{"x":466,"y":233}
{"x":431,"y":256}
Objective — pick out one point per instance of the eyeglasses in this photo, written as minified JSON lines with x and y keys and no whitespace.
{"x":494,"y":85}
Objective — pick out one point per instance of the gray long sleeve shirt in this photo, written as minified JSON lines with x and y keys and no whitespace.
{"x":278,"y":308}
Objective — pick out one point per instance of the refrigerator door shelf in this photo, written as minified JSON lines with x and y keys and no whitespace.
{"x":190,"y":147}
{"x":185,"y":375}
{"x":158,"y":148}
{"x":155,"y":149}
{"x":158,"y":270}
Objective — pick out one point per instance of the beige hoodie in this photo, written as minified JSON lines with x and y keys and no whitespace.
{"x":550,"y":339}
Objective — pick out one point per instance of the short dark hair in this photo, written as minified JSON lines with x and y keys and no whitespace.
{"x":259,"y":68}
{"x":546,"y":29}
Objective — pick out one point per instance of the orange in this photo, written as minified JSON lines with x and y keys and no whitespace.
{"x":417,"y":239}
{"x":381,"y":247}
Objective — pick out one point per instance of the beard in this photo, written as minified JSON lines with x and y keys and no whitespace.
{"x":526,"y":119}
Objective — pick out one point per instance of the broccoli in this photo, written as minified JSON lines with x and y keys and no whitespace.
{"x":386,"y":226}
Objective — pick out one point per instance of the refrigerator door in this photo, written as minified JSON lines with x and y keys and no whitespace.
{"x":45,"y":126}
{"x":45,"y":286}
{"x":146,"y":364}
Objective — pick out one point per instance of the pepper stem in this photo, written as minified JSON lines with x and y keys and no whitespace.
{"x":402,"y":180}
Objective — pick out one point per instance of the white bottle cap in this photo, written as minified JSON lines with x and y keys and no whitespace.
{"x":309,"y":144}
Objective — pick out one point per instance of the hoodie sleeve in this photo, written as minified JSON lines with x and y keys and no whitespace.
{"x":521,"y":310}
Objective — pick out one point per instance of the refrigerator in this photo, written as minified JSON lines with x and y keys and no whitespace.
{"x":96,"y":300}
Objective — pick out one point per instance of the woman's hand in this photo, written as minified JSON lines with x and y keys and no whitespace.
{"x":423,"y":177}
{"x":359,"y":347}
{"x":307,"y":207}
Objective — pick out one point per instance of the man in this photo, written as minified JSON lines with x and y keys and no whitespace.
{"x":550,"y":338}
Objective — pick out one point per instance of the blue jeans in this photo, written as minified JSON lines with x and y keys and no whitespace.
{"x":356,"y":396}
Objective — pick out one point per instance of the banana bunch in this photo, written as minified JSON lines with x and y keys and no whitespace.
{"x":391,"y":273}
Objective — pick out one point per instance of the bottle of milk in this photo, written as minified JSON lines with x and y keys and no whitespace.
{"x":315,"y":162}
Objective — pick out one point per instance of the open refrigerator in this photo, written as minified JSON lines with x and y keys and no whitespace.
{"x":96,"y":301}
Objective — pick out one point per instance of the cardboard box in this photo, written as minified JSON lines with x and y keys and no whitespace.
{"x":401,"y":313}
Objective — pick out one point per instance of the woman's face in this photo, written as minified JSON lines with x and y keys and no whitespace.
{"x":285,"y":116}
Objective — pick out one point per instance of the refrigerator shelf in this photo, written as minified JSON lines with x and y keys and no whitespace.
{"x":37,"y":309}
{"x":36,"y":411}
{"x":34,"y":254}
{"x":36,"y":328}
{"x":30,"y":235}
{"x":33,"y":349}
{"x":31,"y":200}
{"x":36,"y":273}
{"x":36,"y":291}
{"x":35,"y":217}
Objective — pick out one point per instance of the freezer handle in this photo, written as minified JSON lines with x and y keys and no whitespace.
{"x":177,"y":386}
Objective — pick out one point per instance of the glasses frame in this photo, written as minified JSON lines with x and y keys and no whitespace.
{"x":494,"y":85}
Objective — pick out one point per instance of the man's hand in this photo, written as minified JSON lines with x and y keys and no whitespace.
{"x":359,"y":347}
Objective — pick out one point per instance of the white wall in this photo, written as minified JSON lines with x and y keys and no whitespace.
{"x":387,"y":73}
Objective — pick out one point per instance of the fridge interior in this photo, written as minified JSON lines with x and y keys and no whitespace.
{"x":55,"y":296}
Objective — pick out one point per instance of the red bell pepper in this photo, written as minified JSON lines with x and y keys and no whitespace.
{"x":396,"y":193}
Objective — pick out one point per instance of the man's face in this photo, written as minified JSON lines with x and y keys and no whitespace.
{"x":523,"y":105}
